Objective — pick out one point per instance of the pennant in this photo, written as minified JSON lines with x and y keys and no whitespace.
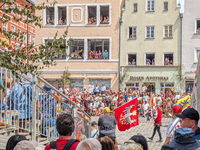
{"x":127,"y":115}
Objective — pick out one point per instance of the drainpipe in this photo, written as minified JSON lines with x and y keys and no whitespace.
{"x":120,"y":23}
{"x":181,"y":17}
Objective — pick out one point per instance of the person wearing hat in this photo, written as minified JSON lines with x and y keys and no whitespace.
{"x":184,"y":139}
{"x":189,"y":119}
{"x":26,"y":145}
{"x":94,"y":130}
{"x":175,"y":124}
{"x":107,"y":125}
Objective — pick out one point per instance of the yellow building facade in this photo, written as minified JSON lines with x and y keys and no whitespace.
{"x":93,"y":26}
{"x":150,"y":44}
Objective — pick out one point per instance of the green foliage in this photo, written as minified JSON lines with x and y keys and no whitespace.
{"x":65,"y":80}
{"x":27,"y":58}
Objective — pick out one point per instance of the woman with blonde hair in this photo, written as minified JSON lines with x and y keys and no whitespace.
{"x":131,"y":145}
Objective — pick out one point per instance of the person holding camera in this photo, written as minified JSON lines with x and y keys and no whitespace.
{"x":157,"y":124}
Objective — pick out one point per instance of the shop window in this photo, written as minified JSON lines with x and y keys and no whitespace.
{"x":50,"y":19}
{"x":168,"y":31}
{"x":24,"y":37}
{"x":33,"y":40}
{"x":132,"y":86}
{"x":76,"y":49}
{"x":98,"y":49}
{"x":197,"y":26}
{"x":29,"y":39}
{"x":197,"y":55}
{"x":104,"y":14}
{"x":150,"y":59}
{"x":19,"y":9}
{"x":19,"y":35}
{"x":62,"y":15}
{"x":52,"y":50}
{"x":13,"y":31}
{"x":168,"y":59}
{"x":107,"y":83}
{"x":167,"y":87}
{"x":150,"y":32}
{"x":132,"y":59}
{"x":165,"y":6}
{"x":132,"y":32}
{"x":5,"y":27}
{"x":189,"y":86}
{"x":77,"y":83}
{"x":150,"y":5}
{"x":92,"y":14}
{"x":135,"y":7}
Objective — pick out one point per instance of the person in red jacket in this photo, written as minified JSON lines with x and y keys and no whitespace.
{"x":157,"y":124}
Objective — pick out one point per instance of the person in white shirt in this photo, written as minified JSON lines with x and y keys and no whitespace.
{"x":175,"y":124}
{"x":91,"y":88}
{"x":129,"y":98}
{"x":143,"y":88}
{"x":66,"y":89}
{"x":103,"y":88}
{"x":145,"y":107}
{"x":146,"y":97}
{"x":177,"y":95}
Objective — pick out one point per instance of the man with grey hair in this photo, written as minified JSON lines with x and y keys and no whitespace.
{"x":89,"y":144}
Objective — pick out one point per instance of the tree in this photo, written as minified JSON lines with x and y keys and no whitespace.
{"x":26,"y":58}
{"x":65,"y":80}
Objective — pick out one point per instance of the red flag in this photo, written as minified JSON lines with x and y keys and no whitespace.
{"x":127,"y":115}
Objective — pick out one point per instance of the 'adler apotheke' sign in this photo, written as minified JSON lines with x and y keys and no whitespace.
{"x":148,"y":78}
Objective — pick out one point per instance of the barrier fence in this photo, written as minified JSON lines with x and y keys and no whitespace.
{"x":27,"y":107}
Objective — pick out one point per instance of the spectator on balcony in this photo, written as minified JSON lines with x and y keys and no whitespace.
{"x":65,"y":127}
{"x":100,"y":54}
{"x":48,"y":20}
{"x":133,"y":62}
{"x":148,"y":61}
{"x":105,"y":54}
{"x":60,"y":21}
{"x":170,"y":62}
{"x":153,"y":61}
{"x":96,"y":55}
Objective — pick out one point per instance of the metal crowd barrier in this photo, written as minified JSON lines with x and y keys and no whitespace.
{"x":29,"y":108}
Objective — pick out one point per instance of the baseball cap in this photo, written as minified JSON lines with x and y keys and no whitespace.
{"x":94,"y":123}
{"x":177,"y":109}
{"x":190,"y":113}
{"x":107,"y":110}
{"x":24,"y":145}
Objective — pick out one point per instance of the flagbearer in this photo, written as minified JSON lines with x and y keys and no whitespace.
{"x":107,"y":125}
{"x":157,"y":124}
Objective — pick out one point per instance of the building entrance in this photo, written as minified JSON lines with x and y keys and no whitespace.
{"x":150,"y":86}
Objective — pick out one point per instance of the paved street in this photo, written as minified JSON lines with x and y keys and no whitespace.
{"x":144,"y":128}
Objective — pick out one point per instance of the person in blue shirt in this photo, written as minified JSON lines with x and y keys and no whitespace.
{"x":106,"y":55}
{"x":133,"y":62}
{"x":126,"y":97}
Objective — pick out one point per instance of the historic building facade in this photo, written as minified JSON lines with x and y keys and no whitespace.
{"x":190,"y":42}
{"x":150,"y":45}
{"x":93,"y":26}
{"x":27,"y":30}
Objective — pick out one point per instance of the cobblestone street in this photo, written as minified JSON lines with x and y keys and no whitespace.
{"x":144,"y":128}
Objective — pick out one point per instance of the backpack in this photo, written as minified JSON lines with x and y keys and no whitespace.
{"x":67,"y":146}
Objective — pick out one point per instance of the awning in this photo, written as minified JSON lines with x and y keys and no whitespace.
{"x":4,"y":43}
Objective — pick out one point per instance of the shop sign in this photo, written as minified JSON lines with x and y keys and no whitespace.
{"x":148,"y":78}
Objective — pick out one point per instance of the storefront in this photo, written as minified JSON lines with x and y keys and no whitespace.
{"x":155,"y":79}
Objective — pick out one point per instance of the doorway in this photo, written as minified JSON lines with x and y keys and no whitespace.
{"x":150,"y":87}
